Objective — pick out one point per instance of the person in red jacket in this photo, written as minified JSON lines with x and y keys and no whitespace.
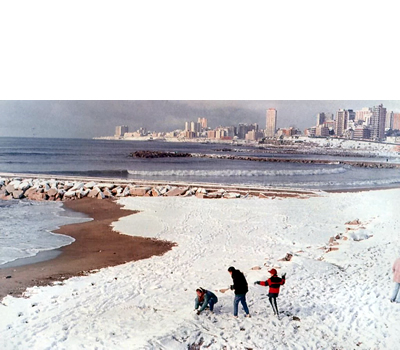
{"x":274,"y":283}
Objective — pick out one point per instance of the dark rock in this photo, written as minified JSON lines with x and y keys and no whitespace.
{"x":158,"y":154}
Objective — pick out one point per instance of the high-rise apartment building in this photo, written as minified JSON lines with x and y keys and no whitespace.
{"x":342,"y":117}
{"x":378,"y":121}
{"x":364,"y":114}
{"x":195,"y":127}
{"x":243,"y":129}
{"x":203,"y":122}
{"x":187,"y":126}
{"x":351,"y":115}
{"x":320,"y":119}
{"x":396,"y":121}
{"x":271,"y":119}
{"x":121,"y":130}
{"x":231,"y":131}
{"x":389,"y":120}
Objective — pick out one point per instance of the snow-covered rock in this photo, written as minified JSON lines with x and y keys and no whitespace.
{"x":90,"y":184}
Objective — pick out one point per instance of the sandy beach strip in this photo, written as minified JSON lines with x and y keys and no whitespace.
{"x":96,"y":246}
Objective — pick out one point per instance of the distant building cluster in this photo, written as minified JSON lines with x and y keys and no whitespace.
{"x":370,"y":123}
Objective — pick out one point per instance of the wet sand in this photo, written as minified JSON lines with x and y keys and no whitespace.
{"x":96,"y":246}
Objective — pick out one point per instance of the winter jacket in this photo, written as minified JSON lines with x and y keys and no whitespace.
{"x":396,"y":270}
{"x":274,"y":284}
{"x":207,"y":297}
{"x":239,"y":282}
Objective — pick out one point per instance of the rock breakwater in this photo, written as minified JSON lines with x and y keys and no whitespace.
{"x":62,"y":190}
{"x":158,"y":154}
{"x":360,"y":164}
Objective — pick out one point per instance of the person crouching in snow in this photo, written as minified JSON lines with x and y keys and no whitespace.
{"x":204,"y":298}
{"x":274,"y":283}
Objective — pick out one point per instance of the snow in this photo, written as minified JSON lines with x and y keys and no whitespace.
{"x":341,"y":297}
{"x":362,"y":147}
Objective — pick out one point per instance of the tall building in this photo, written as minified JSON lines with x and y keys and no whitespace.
{"x":396,"y":121}
{"x":320,"y":119}
{"x":329,"y":117}
{"x":364,"y":114}
{"x":231,"y":131}
{"x":203,"y":122}
{"x":187,"y":126}
{"x":121,"y":130}
{"x":342,"y":117}
{"x":195,"y":127}
{"x":243,"y":129}
{"x":389,"y":120}
{"x":271,"y":119}
{"x":351,"y":115}
{"x":378,"y":121}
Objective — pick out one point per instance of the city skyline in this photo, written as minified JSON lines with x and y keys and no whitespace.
{"x":87,"y":119}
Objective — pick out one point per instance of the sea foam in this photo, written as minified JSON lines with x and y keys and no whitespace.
{"x":239,"y":173}
{"x":26,"y":226}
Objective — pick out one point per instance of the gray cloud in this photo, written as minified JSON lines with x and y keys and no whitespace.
{"x":86,"y":119}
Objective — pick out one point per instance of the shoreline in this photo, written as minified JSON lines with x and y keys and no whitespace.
{"x":96,"y":246}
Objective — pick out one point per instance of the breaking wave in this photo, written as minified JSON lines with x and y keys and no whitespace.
{"x":95,"y":173}
{"x":351,"y":184}
{"x":237,"y":173}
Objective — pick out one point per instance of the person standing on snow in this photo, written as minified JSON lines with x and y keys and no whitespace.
{"x":241,"y":288}
{"x":274,"y":283}
{"x":204,"y":298}
{"x":396,"y":278}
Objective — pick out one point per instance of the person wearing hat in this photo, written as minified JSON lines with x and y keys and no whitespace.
{"x":396,"y":278}
{"x":274,"y":283}
{"x":204,"y":298}
{"x":241,"y":288}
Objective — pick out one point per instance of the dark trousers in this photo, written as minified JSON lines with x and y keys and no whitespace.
{"x":272,"y":299}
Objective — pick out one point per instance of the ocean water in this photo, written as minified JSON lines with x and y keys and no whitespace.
{"x":108,"y":158}
{"x":25,"y":227}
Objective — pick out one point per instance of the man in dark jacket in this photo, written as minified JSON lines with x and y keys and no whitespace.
{"x":274,"y":283}
{"x":241,"y":288}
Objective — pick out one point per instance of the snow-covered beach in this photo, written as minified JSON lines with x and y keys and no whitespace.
{"x":335,"y":299}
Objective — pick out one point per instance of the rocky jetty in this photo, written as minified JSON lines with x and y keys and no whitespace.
{"x":158,"y":154}
{"x":67,"y":189}
{"x":360,"y":164}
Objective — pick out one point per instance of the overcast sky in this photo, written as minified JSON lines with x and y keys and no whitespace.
{"x":116,"y":64}
{"x":87,"y":119}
